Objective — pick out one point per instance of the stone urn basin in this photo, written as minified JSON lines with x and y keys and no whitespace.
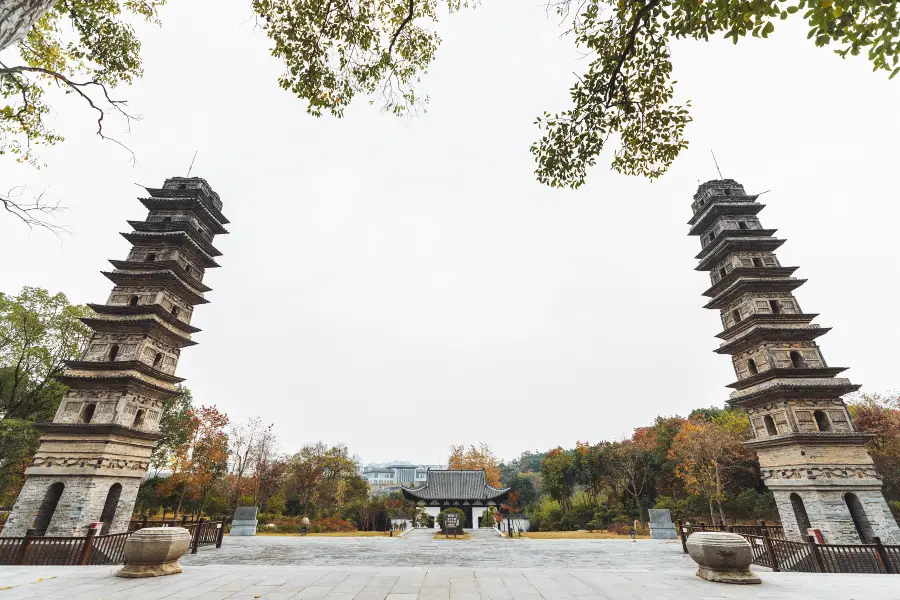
{"x":155,"y":551}
{"x":721,"y":557}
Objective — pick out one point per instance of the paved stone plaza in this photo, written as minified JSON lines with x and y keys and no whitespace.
{"x":418,"y":549}
{"x":416,"y":567}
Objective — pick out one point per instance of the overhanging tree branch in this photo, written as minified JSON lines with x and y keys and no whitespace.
{"x":403,"y":24}
{"x":79,"y":88}
{"x":34,"y":213}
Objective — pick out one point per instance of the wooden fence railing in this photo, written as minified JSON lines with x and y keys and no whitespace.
{"x":91,"y":549}
{"x":94,"y":549}
{"x":775,"y":531}
{"x":810,"y":557}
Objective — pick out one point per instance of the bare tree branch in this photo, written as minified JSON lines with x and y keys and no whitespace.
{"x":79,"y":88}
{"x":34,"y":213}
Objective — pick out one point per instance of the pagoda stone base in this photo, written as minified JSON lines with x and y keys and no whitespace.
{"x":828,"y":511}
{"x":80,"y":504}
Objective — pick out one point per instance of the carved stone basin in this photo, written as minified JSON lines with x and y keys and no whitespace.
{"x":722,"y":557}
{"x":155,"y":551}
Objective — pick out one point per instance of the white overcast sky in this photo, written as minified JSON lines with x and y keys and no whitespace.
{"x":403,"y":285}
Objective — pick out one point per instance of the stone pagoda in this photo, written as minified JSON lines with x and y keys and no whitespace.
{"x":95,"y":452}
{"x":811,"y":455}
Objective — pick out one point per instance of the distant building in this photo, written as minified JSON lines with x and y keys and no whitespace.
{"x":463,"y":489}
{"x":385,"y":478}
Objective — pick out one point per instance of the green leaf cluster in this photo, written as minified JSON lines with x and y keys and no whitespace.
{"x":334,"y":51}
{"x":38,"y":333}
{"x":84,"y":47}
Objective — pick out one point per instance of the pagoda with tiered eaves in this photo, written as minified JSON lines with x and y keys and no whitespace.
{"x":95,"y":452}
{"x":810,"y":454}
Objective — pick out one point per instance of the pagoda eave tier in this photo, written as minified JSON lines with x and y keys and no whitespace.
{"x":174,"y":266}
{"x":786,"y":373}
{"x":721,"y":249}
{"x":700,"y":222}
{"x":831,"y":438}
{"x":139,"y":238}
{"x":769,"y":333}
{"x":174,"y":227}
{"x":145,"y":324}
{"x":752,"y":272}
{"x":727,"y":234}
{"x":783,"y":319}
{"x":117,"y":381}
{"x":103,"y":429}
{"x":163,"y":279}
{"x":182,"y":225}
{"x":188,"y":198}
{"x":806,"y":388}
{"x":123,"y":365}
{"x":755,"y":284}
{"x":144,"y":309}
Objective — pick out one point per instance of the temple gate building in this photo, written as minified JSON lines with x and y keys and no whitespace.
{"x":465,"y":490}
{"x":95,"y":452}
{"x":811,"y":455}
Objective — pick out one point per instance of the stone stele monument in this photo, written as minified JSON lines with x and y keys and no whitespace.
{"x":244,"y":522}
{"x":95,"y":452}
{"x":810,"y":453}
{"x":661,"y":525}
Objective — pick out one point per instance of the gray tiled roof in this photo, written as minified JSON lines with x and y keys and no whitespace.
{"x":455,"y":485}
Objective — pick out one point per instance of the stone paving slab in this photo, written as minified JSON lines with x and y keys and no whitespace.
{"x":416,"y":567}
{"x":419,"y":549}
{"x":355,"y":583}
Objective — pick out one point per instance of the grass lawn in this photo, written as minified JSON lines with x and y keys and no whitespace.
{"x":335,"y":534}
{"x":577,"y":535}
{"x":464,"y":536}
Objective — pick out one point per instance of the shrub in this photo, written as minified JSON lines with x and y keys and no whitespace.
{"x":620,"y":528}
{"x":331,"y":525}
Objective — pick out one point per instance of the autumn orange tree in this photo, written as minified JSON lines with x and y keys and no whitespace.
{"x":879,"y":415}
{"x":705,"y":452}
{"x":323,"y":479}
{"x":476,"y":458}
{"x":202,"y":461}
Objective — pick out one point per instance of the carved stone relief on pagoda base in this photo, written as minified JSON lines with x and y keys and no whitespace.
{"x":818,"y":472}
{"x":97,"y":463}
{"x":829,"y":511}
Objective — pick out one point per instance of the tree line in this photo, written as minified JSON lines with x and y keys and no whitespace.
{"x":206,"y":463}
{"x":695,"y":466}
